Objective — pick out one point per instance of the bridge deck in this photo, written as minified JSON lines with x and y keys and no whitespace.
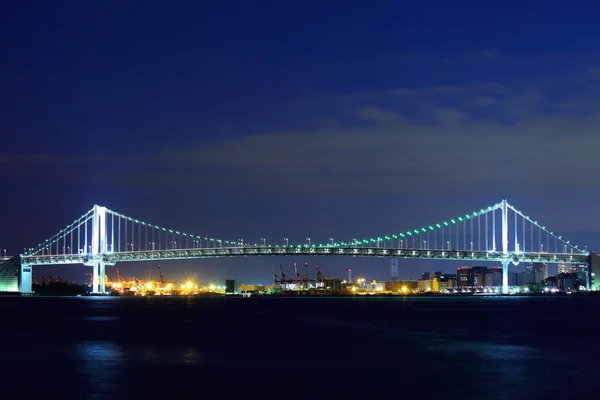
{"x":257,"y":251}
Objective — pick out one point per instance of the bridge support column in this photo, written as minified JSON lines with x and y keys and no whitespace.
{"x":505,"y":276}
{"x":102,"y":277}
{"x":98,"y":277}
{"x":95,"y":278}
{"x":394,"y":268}
{"x":26,"y":278}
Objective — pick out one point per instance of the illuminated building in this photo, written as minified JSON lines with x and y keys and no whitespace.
{"x":400,"y":286}
{"x":594,"y":272}
{"x":438,"y":285}
{"x":564,"y":268}
{"x":534,"y":273}
{"x":9,"y":275}
{"x":253,"y":288}
{"x":440,"y":282}
{"x":424,"y":285}
{"x":579,"y":269}
{"x":538,"y":271}
{"x":465,"y":277}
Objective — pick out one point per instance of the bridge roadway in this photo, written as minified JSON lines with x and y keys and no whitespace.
{"x":257,"y":251}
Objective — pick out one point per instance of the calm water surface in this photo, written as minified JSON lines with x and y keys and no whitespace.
{"x":335,"y":348}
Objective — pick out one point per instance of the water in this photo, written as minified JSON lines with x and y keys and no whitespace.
{"x":171,"y":348}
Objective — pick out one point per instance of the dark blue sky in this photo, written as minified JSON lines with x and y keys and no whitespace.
{"x":297,"y":119}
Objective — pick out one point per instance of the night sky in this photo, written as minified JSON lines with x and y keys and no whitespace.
{"x":240,"y":119}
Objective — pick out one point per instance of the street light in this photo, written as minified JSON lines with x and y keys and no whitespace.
{"x":264,"y":241}
{"x":287,"y":242}
{"x":424,"y":244}
{"x":241,"y":241}
{"x":331,"y":240}
{"x":471,"y":246}
{"x":308,"y":241}
{"x":448,"y":243}
{"x":355,"y":241}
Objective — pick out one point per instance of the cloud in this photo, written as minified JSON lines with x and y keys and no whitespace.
{"x":375,"y":114}
{"x":438,"y":139}
{"x":521,"y":141}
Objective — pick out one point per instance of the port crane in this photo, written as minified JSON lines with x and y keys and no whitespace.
{"x":284,"y":279}
{"x":297,"y":276}
{"x":320,"y":277}
{"x":161,"y":275}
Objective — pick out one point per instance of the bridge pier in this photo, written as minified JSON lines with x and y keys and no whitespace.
{"x":505,"y":276}
{"x":98,"y":277}
{"x":394,"y":268}
{"x":26,"y":278}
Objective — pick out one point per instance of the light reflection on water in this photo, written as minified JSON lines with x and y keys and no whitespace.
{"x":105,"y":363}
{"x":99,"y":319}
{"x":167,"y":354}
{"x":164,"y":348}
{"x":101,"y":364}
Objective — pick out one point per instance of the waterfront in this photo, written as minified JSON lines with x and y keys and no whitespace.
{"x":171,"y":347}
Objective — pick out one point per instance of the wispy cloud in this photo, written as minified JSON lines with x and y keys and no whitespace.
{"x":450,"y":138}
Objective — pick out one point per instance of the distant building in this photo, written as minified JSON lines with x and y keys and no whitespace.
{"x":475,"y":277}
{"x":479,"y":276}
{"x":9,"y":275}
{"x":438,"y":285}
{"x":332,"y":284}
{"x":594,"y":272}
{"x":465,"y":277}
{"x":534,"y":273}
{"x":400,"y":286}
{"x":580,"y":270}
{"x":424,"y":285}
{"x":450,"y":279}
{"x":568,"y":282}
{"x":442,"y":282}
{"x":252,"y":288}
{"x":564,"y":268}
{"x":230,"y":286}
{"x":493,"y":277}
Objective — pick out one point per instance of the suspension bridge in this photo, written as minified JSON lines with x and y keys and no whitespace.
{"x":500,"y":233}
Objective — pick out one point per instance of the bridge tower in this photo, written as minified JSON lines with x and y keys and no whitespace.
{"x":505,"y":261}
{"x":99,"y":248}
